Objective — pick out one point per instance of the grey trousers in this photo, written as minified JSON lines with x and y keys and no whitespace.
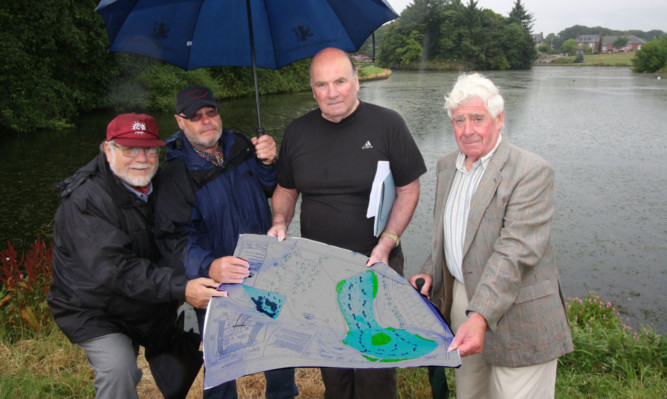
{"x":113,"y":357}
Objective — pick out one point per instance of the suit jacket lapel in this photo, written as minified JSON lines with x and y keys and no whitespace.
{"x":485,"y":192}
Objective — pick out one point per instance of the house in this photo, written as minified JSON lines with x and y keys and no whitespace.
{"x":594,"y":42}
{"x":538,"y":38}
{"x":634,"y":43}
{"x":362,"y":58}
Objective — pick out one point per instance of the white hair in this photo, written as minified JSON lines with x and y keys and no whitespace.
{"x":475,"y":85}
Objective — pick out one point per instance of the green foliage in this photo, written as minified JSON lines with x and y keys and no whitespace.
{"x":521,"y":16}
{"x":412,"y":49}
{"x":568,"y":46}
{"x":652,"y":56}
{"x":606,"y":350}
{"x":620,"y":42}
{"x":463,"y":36}
{"x":151,"y":85}
{"x":55,"y":62}
{"x":25,"y":282}
{"x":579,"y":58}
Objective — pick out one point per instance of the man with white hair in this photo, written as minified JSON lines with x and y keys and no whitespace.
{"x":492,"y":270}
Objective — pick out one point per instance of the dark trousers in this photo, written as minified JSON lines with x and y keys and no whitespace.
{"x":359,"y":383}
{"x":175,"y":369}
{"x":279,"y":383}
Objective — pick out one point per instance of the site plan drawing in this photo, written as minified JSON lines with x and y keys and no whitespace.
{"x":309,"y":304}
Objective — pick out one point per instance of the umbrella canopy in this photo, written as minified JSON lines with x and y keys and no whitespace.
{"x":266,"y":33}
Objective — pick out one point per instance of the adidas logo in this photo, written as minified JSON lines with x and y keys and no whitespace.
{"x":367,"y":146}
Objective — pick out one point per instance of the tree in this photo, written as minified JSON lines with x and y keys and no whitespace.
{"x":521,"y":16}
{"x":411,"y":50}
{"x":518,"y":46}
{"x":652,"y":56}
{"x":568,"y":46}
{"x":620,"y":42}
{"x":55,"y":62}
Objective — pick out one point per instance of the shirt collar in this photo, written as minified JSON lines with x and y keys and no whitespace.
{"x":142,"y":196}
{"x":484,"y":161}
{"x":216,"y":159}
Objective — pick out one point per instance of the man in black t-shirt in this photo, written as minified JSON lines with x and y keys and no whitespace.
{"x":330,"y":156}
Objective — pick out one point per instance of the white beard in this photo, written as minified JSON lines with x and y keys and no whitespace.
{"x":139,"y":181}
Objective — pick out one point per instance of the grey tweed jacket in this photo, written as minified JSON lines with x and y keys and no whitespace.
{"x":509,"y":268}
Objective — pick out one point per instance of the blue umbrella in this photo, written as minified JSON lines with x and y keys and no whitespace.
{"x":259,"y":33}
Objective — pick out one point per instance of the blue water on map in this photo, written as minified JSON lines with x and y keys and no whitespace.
{"x":377,"y":343}
{"x":267,"y":302}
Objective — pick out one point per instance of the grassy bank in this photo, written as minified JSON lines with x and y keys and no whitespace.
{"x":615,"y":60}
{"x":611,"y":360}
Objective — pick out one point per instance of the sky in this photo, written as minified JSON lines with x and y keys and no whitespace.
{"x":554,"y":16}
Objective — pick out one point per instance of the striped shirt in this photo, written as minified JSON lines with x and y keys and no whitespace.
{"x":457,"y":208}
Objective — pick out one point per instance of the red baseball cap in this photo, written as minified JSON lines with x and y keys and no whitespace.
{"x":134,"y":130}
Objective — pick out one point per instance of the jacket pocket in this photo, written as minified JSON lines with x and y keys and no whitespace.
{"x":535,"y":291}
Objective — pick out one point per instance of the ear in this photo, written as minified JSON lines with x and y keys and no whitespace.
{"x":107,"y":151}
{"x":179,"y":120}
{"x":500,"y":120}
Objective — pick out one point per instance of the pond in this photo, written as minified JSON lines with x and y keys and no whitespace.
{"x":603,"y":130}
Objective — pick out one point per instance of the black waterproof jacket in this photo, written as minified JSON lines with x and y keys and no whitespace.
{"x":105,"y":276}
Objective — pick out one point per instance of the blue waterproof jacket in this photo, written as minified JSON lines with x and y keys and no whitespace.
{"x":201,"y":208}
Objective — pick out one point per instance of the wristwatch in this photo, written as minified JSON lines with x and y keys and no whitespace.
{"x":394,"y":237}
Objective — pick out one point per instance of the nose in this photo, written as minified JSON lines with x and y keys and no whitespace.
{"x":468,"y":128}
{"x":141,"y":156}
{"x":332,"y":92}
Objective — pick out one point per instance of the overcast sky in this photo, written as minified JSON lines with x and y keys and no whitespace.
{"x":554,"y":16}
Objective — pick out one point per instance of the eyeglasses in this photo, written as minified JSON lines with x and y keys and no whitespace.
{"x":211,"y":113}
{"x":132,"y":152}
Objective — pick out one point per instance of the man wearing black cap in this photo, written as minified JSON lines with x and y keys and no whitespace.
{"x":109,"y":293}
{"x":214,"y":186}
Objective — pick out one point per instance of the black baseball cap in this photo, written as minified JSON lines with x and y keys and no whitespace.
{"x":192,"y":99}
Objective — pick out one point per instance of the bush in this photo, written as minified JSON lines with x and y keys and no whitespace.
{"x":652,"y":57}
{"x":607,"y":351}
{"x":579,"y":58}
{"x":25,"y":282}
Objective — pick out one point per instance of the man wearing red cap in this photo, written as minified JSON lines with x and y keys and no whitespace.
{"x":110,"y":292}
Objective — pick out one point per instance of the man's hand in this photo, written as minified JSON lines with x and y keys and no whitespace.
{"x":381,"y":251}
{"x":265,"y":149}
{"x":229,"y":270}
{"x":200,"y":290}
{"x":426,"y":288}
{"x":278,"y":230}
{"x":469,"y":339}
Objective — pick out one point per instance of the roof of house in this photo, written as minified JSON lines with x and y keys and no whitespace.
{"x":588,"y":38}
{"x":632,"y":39}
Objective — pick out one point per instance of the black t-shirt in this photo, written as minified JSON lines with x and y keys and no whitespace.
{"x":333,"y":166}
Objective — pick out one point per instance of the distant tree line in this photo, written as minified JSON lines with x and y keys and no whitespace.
{"x":556,"y":40}
{"x":56,"y":64}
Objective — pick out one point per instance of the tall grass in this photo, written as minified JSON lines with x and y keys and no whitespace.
{"x":610,"y":360}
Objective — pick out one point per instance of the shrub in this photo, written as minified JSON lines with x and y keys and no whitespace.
{"x":579,"y":58}
{"x":607,"y":349}
{"x":25,"y":282}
